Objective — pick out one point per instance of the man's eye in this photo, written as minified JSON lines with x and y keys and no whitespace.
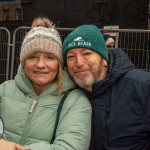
{"x":70,"y":56}
{"x":87,"y":53}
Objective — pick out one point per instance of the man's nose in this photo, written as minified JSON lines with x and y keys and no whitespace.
{"x":80,"y":61}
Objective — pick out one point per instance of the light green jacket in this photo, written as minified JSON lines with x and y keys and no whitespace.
{"x":33,"y":126}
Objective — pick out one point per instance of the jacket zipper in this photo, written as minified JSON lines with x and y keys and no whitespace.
{"x":28,"y":122}
{"x":107,"y":126}
{"x":32,"y":106}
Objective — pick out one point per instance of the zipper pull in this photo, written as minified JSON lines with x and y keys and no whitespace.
{"x":32,"y":106}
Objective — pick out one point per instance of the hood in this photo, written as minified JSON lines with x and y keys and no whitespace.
{"x":25,"y":85}
{"x":119,"y":65}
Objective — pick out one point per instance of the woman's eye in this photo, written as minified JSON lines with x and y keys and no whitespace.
{"x":51,"y":57}
{"x":32,"y":57}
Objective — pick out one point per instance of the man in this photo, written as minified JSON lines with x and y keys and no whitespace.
{"x":119,"y":93}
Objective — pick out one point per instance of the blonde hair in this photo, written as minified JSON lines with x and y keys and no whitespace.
{"x":59,"y":79}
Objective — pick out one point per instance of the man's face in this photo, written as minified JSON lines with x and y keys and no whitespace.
{"x":86,"y":67}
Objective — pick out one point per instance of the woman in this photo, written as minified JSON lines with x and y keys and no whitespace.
{"x":29,"y":103}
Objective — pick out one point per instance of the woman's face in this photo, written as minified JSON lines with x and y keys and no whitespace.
{"x":41,"y":69}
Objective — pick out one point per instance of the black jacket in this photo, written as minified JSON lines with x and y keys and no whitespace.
{"x":121,"y":107}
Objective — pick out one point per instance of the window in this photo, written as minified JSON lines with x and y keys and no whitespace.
{"x":18,"y":14}
{"x":6,"y":14}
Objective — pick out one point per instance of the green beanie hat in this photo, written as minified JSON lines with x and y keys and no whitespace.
{"x":86,"y":36}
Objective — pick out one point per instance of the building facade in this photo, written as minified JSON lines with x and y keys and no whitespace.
{"x":72,"y":13}
{"x":10,"y":11}
{"x":126,"y":14}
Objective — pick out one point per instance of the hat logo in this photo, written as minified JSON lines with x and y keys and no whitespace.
{"x":79,"y":42}
{"x":78,"y":39}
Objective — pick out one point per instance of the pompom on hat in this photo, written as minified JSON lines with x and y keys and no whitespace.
{"x":41,"y":38}
{"x":86,"y":36}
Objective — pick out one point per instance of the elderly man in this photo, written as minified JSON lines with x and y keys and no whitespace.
{"x":119,"y":93}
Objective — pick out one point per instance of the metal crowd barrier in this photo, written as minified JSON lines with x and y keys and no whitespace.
{"x":4,"y":54}
{"x":18,"y":37}
{"x":134,"y":42}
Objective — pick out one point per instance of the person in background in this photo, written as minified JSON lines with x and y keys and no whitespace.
{"x":119,"y":92}
{"x":29,"y":103}
{"x":110,"y":43}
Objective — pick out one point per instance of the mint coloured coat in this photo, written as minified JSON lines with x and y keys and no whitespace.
{"x":29,"y":119}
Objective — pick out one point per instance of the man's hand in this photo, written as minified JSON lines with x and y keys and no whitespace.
{"x":6,"y":145}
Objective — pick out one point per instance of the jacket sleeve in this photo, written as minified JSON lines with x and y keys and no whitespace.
{"x":143,"y":93}
{"x":74,"y":130}
{"x":146,"y":96}
{"x":1,"y":91}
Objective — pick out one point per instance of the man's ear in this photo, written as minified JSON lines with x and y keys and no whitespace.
{"x":105,"y":63}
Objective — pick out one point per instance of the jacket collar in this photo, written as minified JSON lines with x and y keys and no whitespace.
{"x":25,"y":84}
{"x":119,"y":65}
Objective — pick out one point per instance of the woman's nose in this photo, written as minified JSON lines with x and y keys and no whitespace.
{"x":41,"y":63}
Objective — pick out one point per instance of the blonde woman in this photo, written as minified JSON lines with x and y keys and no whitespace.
{"x":29,"y":103}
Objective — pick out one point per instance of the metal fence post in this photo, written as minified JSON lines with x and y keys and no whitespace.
{"x":5,"y":40}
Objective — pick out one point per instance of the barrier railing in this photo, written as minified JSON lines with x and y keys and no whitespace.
{"x":4,"y":54}
{"x":134,"y":42}
{"x":18,"y":37}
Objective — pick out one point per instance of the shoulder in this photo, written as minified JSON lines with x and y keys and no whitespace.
{"x":138,"y":81}
{"x":139,"y":76}
{"x":77,"y":98}
{"x":8,"y":85}
{"x":67,"y":82}
{"x":8,"y":88}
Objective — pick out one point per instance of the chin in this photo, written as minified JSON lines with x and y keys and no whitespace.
{"x":83,"y":83}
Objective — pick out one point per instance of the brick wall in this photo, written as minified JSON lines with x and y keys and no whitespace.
{"x":12,"y":7}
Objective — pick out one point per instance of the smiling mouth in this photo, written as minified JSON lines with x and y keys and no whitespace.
{"x":38,"y":72}
{"x":80,"y":71}
{"x":83,"y":72}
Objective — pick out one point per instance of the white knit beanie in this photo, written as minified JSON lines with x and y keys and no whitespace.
{"x":109,"y":40}
{"x":41,"y":39}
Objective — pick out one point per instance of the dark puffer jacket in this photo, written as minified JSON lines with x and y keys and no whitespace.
{"x":121,"y":107}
